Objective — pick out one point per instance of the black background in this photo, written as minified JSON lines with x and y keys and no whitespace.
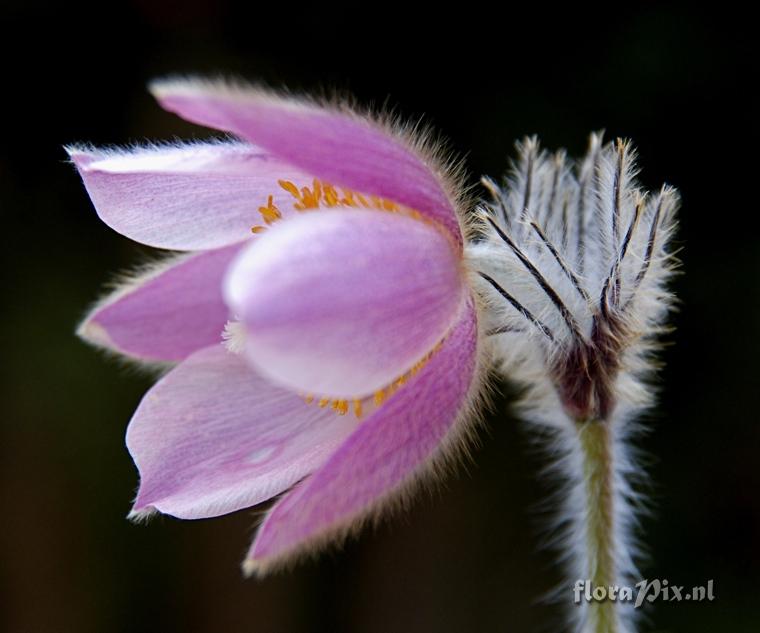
{"x":679,"y":81}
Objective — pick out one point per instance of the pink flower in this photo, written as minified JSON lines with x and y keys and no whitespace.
{"x":327,"y":249}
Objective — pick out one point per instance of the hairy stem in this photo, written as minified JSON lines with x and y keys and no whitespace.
{"x":598,"y":487}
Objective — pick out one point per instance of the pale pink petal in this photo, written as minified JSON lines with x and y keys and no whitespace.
{"x":341,"y":302}
{"x":185,"y":197}
{"x":212,"y":437}
{"x":167,"y":312}
{"x":336,"y":145}
{"x":387,"y":452}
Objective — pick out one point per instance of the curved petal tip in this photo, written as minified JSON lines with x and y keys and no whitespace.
{"x":251,"y":568}
{"x":94,"y":333}
{"x":143,"y":515}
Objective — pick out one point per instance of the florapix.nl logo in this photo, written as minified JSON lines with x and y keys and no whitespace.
{"x":643,"y":591}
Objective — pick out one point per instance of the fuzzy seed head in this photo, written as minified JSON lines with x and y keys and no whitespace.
{"x":573,"y":261}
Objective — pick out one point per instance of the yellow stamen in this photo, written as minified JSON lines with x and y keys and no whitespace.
{"x":331,"y":196}
{"x":290,"y":188}
{"x":348,"y":198}
{"x":323,"y":194}
{"x":310,"y":198}
{"x":270,"y":213}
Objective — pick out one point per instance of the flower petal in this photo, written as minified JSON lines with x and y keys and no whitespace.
{"x":336,"y":145}
{"x":166,"y":313}
{"x":184,"y":197}
{"x":340,"y":303}
{"x":212,"y":437}
{"x":390,"y":450}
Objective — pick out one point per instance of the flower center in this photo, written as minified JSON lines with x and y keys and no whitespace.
{"x":324,"y":195}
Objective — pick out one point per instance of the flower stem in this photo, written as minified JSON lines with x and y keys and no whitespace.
{"x":599,"y":496}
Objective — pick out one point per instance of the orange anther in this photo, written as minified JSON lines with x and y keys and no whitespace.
{"x":270,"y":213}
{"x":331,"y":196}
{"x":348,"y":198}
{"x":290,"y":188}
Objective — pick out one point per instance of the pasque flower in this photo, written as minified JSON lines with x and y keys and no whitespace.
{"x":335,"y":303}
{"x":326,"y":248}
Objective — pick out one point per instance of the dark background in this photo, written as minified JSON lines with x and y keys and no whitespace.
{"x":679,"y":81}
